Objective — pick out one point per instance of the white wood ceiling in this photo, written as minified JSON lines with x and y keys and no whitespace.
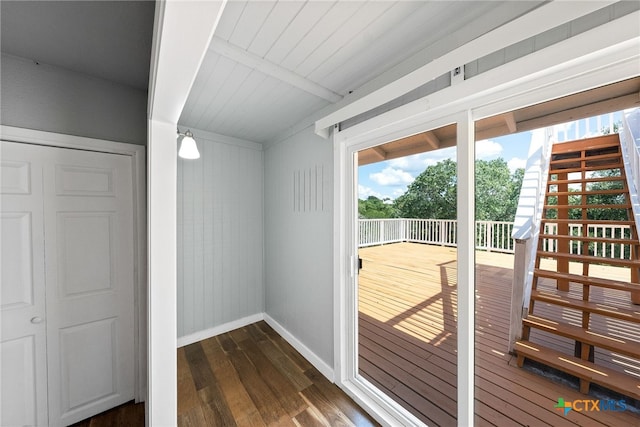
{"x":271,"y":64}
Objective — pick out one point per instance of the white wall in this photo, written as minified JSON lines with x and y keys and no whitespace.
{"x":298,"y":240}
{"x":47,"y":98}
{"x":220,"y":235}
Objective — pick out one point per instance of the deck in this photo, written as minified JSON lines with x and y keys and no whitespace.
{"x":407,"y":305}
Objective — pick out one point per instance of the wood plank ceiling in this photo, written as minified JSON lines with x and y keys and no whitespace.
{"x":272,"y":64}
{"x":614,"y":97}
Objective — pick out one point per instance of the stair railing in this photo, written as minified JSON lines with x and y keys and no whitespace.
{"x":526,"y":229}
{"x":630,"y":144}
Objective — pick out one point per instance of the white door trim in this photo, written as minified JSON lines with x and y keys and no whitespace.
{"x":592,"y":70}
{"x":382,"y":407}
{"x":138,"y":161}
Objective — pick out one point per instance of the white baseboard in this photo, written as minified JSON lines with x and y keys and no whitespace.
{"x":318,"y":363}
{"x":220,"y":329}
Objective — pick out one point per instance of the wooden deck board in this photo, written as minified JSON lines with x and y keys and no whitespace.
{"x":408,"y":310}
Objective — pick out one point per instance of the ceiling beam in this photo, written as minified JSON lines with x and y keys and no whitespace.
{"x":175,"y":61}
{"x":431,"y":139}
{"x":379,"y":152}
{"x":510,"y":121}
{"x":285,"y":75}
{"x":545,"y":17}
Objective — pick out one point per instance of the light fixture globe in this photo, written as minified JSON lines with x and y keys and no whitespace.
{"x":188,"y":147}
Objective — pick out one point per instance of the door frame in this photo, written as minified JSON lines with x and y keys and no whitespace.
{"x":386,"y":410}
{"x":138,"y":168}
{"x":482,"y":96}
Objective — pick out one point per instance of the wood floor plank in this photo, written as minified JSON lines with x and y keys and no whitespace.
{"x":284,"y":364}
{"x":407,"y":316}
{"x":238,"y":400}
{"x":285,"y":391}
{"x":131,"y":415}
{"x":251,"y":377}
{"x":308,"y":419}
{"x":192,"y":418}
{"x":340,"y":399}
{"x":199,"y":365}
{"x":263,"y":397}
{"x":239,"y":335}
{"x":324,"y":406}
{"x":187,"y":394}
{"x":215,"y":406}
{"x":302,"y":363}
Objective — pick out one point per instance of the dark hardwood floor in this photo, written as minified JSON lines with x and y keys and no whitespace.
{"x":253,"y":377}
{"x":128,"y":415}
{"x":248,"y":377}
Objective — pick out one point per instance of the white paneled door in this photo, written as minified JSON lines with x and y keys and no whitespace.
{"x":67,"y":284}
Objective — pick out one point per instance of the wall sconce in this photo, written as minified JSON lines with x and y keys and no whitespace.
{"x":188,"y":147}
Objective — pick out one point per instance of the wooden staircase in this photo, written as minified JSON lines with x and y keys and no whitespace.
{"x":586,"y":183}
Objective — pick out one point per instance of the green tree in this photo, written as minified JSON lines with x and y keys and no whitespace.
{"x":497,"y":190}
{"x":433,"y":193}
{"x":372,"y":208}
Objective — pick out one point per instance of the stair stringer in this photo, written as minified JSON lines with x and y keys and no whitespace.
{"x":630,"y":146}
{"x":526,"y":228}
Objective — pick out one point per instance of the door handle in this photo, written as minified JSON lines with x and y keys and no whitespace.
{"x":36,"y":320}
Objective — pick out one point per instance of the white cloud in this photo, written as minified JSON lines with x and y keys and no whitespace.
{"x":516,"y":163}
{"x":488,"y":149}
{"x":391,"y":176}
{"x":365,"y":192}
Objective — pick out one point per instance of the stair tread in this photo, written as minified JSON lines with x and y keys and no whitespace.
{"x":586,"y":193}
{"x":589,"y":168}
{"x":592,"y":281}
{"x":607,"y":206}
{"x":587,"y":221}
{"x":591,"y":307}
{"x":618,"y":345}
{"x":614,"y":380}
{"x":590,"y":239}
{"x":607,"y":156}
{"x":590,"y":259}
{"x":585,"y":180}
{"x":587,"y":144}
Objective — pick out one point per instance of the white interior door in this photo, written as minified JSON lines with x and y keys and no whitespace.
{"x":87,"y":212}
{"x":22,"y":295}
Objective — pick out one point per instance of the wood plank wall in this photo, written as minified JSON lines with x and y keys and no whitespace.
{"x":220,"y":235}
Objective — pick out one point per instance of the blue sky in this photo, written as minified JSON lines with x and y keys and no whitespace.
{"x":389,"y":179}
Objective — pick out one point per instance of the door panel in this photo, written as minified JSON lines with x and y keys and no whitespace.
{"x":89,"y":250}
{"x":85,"y":349}
{"x":84,"y":252}
{"x":67,"y":324}
{"x":19,"y":382}
{"x":22,"y":294}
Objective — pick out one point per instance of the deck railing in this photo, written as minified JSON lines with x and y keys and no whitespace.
{"x":492,"y":236}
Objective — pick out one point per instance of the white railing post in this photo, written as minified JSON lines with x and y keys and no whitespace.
{"x":403,"y":230}
{"x":517,"y":292}
{"x":526,"y":229}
